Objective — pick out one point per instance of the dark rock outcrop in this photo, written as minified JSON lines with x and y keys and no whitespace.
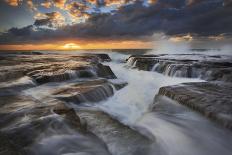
{"x":105,"y":72}
{"x":214,"y":100}
{"x":102,"y":56}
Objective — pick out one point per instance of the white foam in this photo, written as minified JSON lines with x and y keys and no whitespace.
{"x":131,"y":102}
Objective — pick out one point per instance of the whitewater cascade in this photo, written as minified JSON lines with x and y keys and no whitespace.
{"x":171,"y":125}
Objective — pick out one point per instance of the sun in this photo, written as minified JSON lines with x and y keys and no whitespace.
{"x":71,"y":46}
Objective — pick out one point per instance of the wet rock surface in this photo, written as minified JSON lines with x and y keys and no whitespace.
{"x":35,"y":96}
{"x":52,"y":68}
{"x":88,"y":91}
{"x":214,"y":100}
{"x":210,"y":68}
{"x":24,"y":120}
{"x":31,"y":127}
{"x":52,"y":104}
{"x":119,"y":138}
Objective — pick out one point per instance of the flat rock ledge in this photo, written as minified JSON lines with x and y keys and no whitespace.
{"x":210,"y":68}
{"x":213,"y":100}
{"x":54,"y":68}
{"x":88,"y":91}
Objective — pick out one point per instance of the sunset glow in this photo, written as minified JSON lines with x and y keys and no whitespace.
{"x":75,"y":45}
{"x":71,"y":46}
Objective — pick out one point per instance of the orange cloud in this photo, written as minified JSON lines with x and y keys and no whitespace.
{"x":77,"y":11}
{"x":13,"y":2}
{"x":31,"y":5}
{"x":152,"y":1}
{"x":46,"y":4}
{"x":59,"y":3}
{"x":114,"y":2}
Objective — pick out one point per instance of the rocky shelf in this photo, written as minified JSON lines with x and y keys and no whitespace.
{"x":51,"y":101}
{"x":210,"y":68}
{"x":28,"y":121}
{"x":214,"y":100}
{"x":52,"y":68}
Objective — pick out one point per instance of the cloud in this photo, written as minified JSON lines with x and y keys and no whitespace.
{"x":133,"y":20}
{"x":16,"y":3}
{"x":152,"y":1}
{"x":192,"y":2}
{"x":13,"y":2}
{"x":47,"y":4}
{"x":117,"y":2}
{"x":77,"y":11}
{"x":227,"y":3}
{"x":31,"y":5}
{"x":53,"y":19}
{"x":21,"y":32}
{"x":59,"y":3}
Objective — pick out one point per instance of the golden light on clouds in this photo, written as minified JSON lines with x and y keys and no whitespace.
{"x":217,"y":38}
{"x":181,"y":38}
{"x":13,"y":2}
{"x":152,"y":1}
{"x":46,"y":4}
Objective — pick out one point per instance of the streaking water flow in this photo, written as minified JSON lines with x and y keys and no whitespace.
{"x":130,"y":103}
{"x":175,"y":129}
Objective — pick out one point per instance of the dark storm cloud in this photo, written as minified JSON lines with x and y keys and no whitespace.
{"x":26,"y":31}
{"x":227,"y":3}
{"x":179,"y":17}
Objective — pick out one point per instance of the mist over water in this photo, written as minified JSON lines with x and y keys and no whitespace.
{"x":165,"y":45}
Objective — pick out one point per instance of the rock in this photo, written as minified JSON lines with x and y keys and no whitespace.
{"x":214,"y":100}
{"x":210,"y":68}
{"x":120,"y":139}
{"x":102,"y":56}
{"x":69,"y":114}
{"x":24,"y":121}
{"x":105,"y":72}
{"x":9,"y":74}
{"x":53,"y":68}
{"x":89,"y":91}
{"x":119,"y":85}
{"x":35,"y":119}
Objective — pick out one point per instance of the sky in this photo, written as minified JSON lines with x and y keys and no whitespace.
{"x":107,"y":24}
